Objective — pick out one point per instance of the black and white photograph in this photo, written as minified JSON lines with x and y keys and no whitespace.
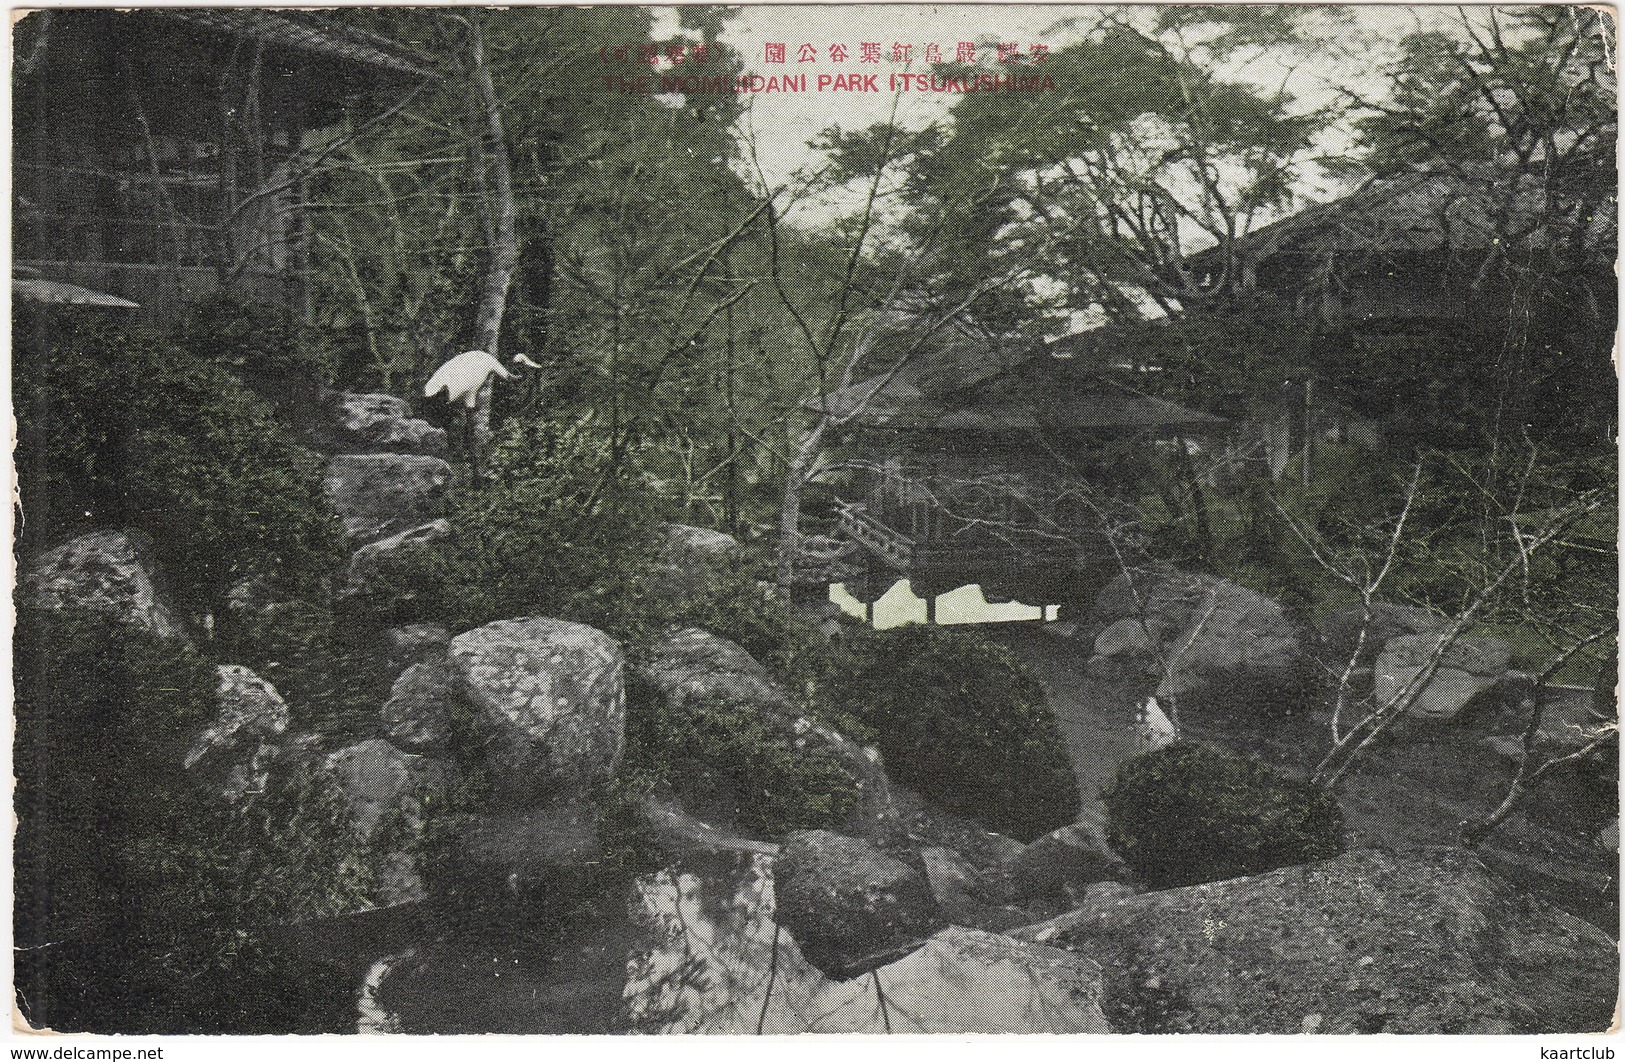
{"x":758,"y":520}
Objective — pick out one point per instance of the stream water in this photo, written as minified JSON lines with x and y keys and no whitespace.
{"x":698,"y":951}
{"x":692,"y":948}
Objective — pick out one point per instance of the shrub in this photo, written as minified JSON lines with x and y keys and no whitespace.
{"x":116,"y":427}
{"x":559,"y":524}
{"x":1189,"y":813}
{"x":138,"y":897}
{"x":964,"y":722}
{"x":257,"y":340}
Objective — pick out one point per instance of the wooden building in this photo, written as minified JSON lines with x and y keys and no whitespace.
{"x":1451,"y":280}
{"x":1438,"y":245}
{"x":975,"y":465}
{"x":157,"y":153}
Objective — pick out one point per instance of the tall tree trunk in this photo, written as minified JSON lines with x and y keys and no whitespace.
{"x":497,"y":205}
{"x":1193,"y":488}
{"x":730,"y":484}
{"x":795,"y":481}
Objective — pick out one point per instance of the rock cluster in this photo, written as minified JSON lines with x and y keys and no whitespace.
{"x":1214,"y":645}
{"x":386,"y":479}
{"x":107,"y":572}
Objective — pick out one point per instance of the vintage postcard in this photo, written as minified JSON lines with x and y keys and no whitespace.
{"x":762,"y":520}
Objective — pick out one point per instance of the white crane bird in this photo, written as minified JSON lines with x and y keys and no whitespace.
{"x":461,"y":379}
{"x":463,"y":376}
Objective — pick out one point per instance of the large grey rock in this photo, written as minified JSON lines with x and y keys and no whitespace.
{"x":234,"y":756}
{"x":549,"y":698}
{"x":1568,"y":724}
{"x":1481,"y":657}
{"x":1124,"y":637}
{"x":377,"y":423}
{"x":1469,"y":674}
{"x":1234,"y":651}
{"x":1065,"y":862}
{"x":379,"y":781}
{"x":1122,"y":649}
{"x":366,"y":561}
{"x":691,"y":564}
{"x":850,"y":906}
{"x":693,"y":669}
{"x":1340,"y":632}
{"x":1227,"y":670}
{"x":967,"y":981}
{"x":376,"y":495}
{"x":417,"y":716}
{"x":1148,"y":594}
{"x":1214,"y":644}
{"x":1425,"y":941}
{"x":1446,"y":696}
{"x":719,"y":964}
{"x":416,"y":643}
{"x":107,"y":572}
{"x":683,"y":546}
{"x":384,"y":791}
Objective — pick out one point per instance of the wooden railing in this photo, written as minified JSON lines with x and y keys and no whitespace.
{"x":891,"y":546}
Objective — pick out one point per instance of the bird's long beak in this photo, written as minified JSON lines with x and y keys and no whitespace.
{"x":521,"y":359}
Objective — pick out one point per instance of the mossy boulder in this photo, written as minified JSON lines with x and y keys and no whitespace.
{"x":1189,"y":813}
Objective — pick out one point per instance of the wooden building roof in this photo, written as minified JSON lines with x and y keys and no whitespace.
{"x":304,"y":32}
{"x":1420,"y":212}
{"x":1034,"y":391}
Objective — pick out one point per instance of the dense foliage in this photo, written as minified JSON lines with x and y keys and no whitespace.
{"x":963,"y":721}
{"x":141,"y":903}
{"x":558,"y":523}
{"x":328,"y":670}
{"x":119,"y":427}
{"x":259,"y":342}
{"x":1188,"y":813}
{"x":681,"y":321}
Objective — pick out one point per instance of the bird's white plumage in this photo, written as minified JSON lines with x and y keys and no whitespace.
{"x":463,"y":376}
